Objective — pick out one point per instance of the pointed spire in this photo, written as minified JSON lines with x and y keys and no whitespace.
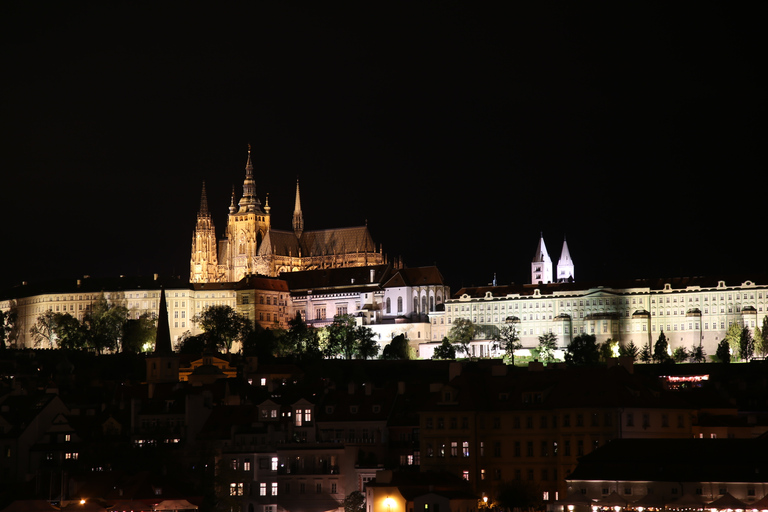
{"x":541,"y":251}
{"x":298,"y":217}
{"x":163,"y":337}
{"x":249,"y":201}
{"x":565,"y":266}
{"x":203,"y":202}
{"x":232,"y":207}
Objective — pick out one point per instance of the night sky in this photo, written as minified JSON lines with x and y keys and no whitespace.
{"x":458,"y":131}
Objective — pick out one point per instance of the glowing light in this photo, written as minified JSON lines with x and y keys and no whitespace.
{"x":389,"y":503}
{"x":82,"y":502}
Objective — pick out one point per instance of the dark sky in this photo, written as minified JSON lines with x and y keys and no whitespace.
{"x":458,"y":131}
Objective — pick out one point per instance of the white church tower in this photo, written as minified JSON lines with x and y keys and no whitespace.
{"x":541,"y":267}
{"x":565,"y":266}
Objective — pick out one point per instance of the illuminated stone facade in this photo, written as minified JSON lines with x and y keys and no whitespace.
{"x":138,"y":295}
{"x":688,"y":310}
{"x":251,"y":246}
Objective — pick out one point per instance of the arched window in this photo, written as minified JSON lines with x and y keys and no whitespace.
{"x":399,"y":304}
{"x":389,"y":306}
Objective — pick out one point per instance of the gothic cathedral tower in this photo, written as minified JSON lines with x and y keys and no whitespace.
{"x":204,"y":265}
{"x":247,"y":226}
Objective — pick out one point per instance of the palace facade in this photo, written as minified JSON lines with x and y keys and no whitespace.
{"x":689,"y":310}
{"x":251,"y":246}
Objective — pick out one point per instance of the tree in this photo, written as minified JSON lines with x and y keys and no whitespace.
{"x":723,"y":352}
{"x":354,"y":502}
{"x":646,"y":355}
{"x":697,"y":354}
{"x":139,"y":334}
{"x":44,"y":330}
{"x":445,"y":351}
{"x":762,"y":348}
{"x":104,"y":325}
{"x":70,"y":333}
{"x":660,"y":349}
{"x":746,"y":344}
{"x":733,"y":337}
{"x":606,"y":350}
{"x":367,"y":347}
{"x":680,"y":355}
{"x":7,"y":326}
{"x":223,"y":325}
{"x":547,"y":346}
{"x":299,"y":341}
{"x":189,"y":344}
{"x":507,"y":340}
{"x":758,"y":337}
{"x":582,"y":351}
{"x":630,"y":350}
{"x":398,"y":348}
{"x":461,"y":334}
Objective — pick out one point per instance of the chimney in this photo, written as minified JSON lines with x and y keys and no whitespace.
{"x":373,"y":274}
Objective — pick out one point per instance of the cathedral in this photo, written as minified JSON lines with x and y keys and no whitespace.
{"x":251,"y":246}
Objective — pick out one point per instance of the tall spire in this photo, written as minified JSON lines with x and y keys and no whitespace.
{"x":163,"y":337}
{"x":203,"y":203}
{"x":565,"y":266}
{"x":249,"y":201}
{"x":541,"y":266}
{"x":298,"y":218}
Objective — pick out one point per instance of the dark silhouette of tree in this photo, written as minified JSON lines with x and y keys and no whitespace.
{"x":7,"y":326}
{"x":104,"y":325}
{"x":660,"y":354}
{"x":70,"y":333}
{"x":723,"y":352}
{"x":445,"y":351}
{"x":680,"y":355}
{"x":223,"y":325}
{"x":461,"y":334}
{"x":697,"y":354}
{"x":397,"y":349}
{"x":582,"y":351}
{"x":507,"y":340}
{"x":518,"y":494}
{"x":746,"y":344}
{"x":300,"y":341}
{"x":630,"y":350}
{"x":547,"y":347}
{"x":349,"y":340}
{"x":139,"y":332}
{"x":354,"y":502}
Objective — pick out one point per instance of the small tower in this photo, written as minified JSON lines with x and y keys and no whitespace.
{"x":565,"y":265}
{"x":541,"y":266}
{"x":203,"y":267}
{"x":298,"y":218}
{"x":163,"y":364}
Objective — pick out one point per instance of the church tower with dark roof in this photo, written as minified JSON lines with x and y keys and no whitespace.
{"x":163,"y":364}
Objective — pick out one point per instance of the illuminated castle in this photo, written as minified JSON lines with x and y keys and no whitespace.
{"x":251,"y":246}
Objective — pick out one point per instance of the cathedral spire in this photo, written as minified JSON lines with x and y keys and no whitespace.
{"x":203,"y":203}
{"x":298,"y":218}
{"x":249,"y":201}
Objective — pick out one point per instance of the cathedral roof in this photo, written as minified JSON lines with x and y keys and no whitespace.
{"x":326,"y":242}
{"x":337,"y":241}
